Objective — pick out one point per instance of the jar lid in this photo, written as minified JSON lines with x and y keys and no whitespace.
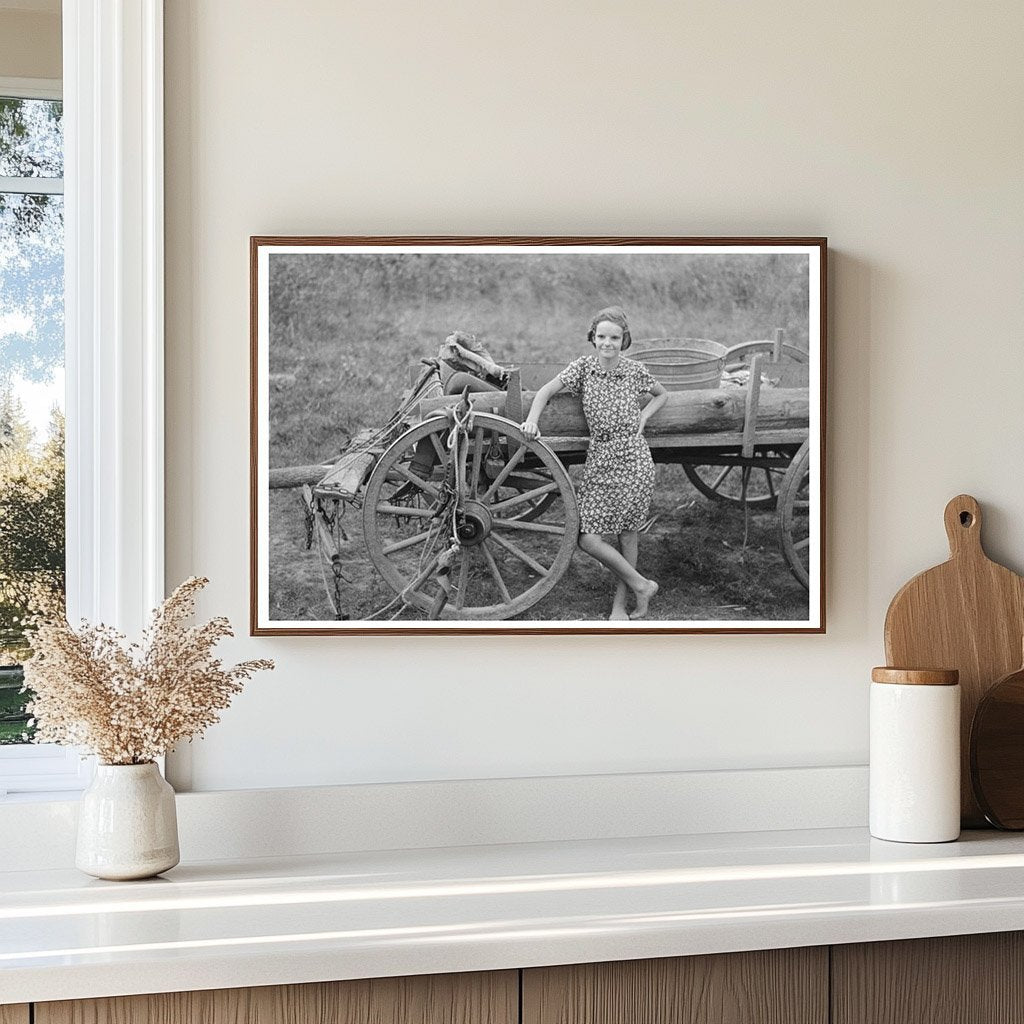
{"x":916,"y":676}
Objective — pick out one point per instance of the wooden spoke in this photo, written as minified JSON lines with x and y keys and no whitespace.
{"x":460,"y":600}
{"x":493,"y":566}
{"x":527,"y":479}
{"x":519,"y":553}
{"x":426,"y":573}
{"x":404,"y":511}
{"x":720,"y":479}
{"x":527,"y":526}
{"x":802,"y":545}
{"x":416,"y":481}
{"x":505,"y":472}
{"x":442,"y":455}
{"x":736,"y":484}
{"x":519,"y":499}
{"x":478,"y":451}
{"x":408,"y":542}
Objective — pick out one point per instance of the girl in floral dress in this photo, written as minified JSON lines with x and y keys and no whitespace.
{"x":618,"y":477}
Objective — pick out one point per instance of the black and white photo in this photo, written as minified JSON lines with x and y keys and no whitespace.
{"x":537,"y":435}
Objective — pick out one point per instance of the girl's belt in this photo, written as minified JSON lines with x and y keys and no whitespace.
{"x":606,"y":435}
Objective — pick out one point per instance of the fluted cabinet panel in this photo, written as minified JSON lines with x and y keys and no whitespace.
{"x":479,"y":998}
{"x":777,"y":986}
{"x":959,"y":979}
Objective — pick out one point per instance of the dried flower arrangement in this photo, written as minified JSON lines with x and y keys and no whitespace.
{"x":130,"y":703}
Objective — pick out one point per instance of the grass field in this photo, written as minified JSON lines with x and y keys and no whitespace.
{"x":345,"y":330}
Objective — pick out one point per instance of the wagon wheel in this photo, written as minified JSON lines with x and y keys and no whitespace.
{"x":512,"y":551}
{"x":725,"y":483}
{"x":794,"y":514}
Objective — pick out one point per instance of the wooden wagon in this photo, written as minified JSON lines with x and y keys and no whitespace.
{"x":465,"y":518}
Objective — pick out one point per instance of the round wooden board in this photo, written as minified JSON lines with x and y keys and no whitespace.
{"x":997,"y":752}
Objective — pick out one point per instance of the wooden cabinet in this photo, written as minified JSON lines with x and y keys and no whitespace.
{"x":481,"y":998}
{"x":961,"y":979}
{"x":967,"y":979}
{"x":776,"y":986}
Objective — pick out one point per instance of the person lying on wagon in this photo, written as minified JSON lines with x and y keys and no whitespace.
{"x":474,"y":369}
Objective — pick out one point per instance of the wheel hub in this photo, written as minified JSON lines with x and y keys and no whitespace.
{"x":472,"y":524}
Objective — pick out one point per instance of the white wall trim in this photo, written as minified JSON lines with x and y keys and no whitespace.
{"x":113,"y":88}
{"x":246,"y":824}
{"x":31,"y":88}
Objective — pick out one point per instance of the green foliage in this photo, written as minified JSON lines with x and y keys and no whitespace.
{"x":31,"y":523}
{"x":31,"y":138}
{"x":31,"y":146}
{"x":31,"y":548}
{"x":14,"y":727}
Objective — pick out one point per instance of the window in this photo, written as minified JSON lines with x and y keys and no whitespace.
{"x":32,"y":532}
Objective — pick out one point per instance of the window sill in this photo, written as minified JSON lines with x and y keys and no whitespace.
{"x":291,"y":920}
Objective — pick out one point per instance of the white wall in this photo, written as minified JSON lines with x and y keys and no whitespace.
{"x":894,"y":129}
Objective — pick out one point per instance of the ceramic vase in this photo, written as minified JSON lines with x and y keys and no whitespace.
{"x":127,"y":825}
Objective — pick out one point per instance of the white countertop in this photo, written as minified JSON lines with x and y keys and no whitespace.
{"x":225,"y":924}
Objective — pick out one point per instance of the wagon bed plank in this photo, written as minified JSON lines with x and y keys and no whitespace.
{"x":719,"y":410}
{"x":691,"y":442}
{"x":348,"y":474}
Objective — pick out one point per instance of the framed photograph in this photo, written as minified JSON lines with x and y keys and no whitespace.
{"x":537,"y":435}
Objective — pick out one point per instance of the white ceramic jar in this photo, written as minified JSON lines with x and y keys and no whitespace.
{"x":127,"y":823}
{"x":915,"y":755}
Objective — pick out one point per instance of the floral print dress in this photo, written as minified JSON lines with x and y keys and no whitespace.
{"x":618,"y":477}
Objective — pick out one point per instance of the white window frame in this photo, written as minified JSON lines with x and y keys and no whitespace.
{"x":114,"y":347}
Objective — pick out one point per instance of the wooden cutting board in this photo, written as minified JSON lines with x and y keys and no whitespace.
{"x":967,"y":614}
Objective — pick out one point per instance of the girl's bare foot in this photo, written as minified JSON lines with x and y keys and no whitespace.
{"x":618,"y":612}
{"x":643,"y":598}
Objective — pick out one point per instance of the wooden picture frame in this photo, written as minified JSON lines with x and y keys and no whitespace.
{"x":388,"y":497}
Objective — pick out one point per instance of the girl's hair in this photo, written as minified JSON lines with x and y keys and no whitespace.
{"x":614,"y":315}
